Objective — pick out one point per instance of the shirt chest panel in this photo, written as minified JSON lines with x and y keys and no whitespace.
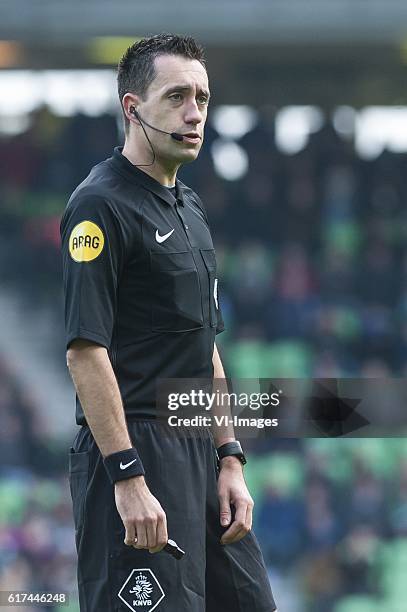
{"x":174,"y":228}
{"x":170,"y":282}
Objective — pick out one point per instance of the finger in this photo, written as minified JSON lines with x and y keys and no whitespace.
{"x":130,"y":534}
{"x":224,"y":510}
{"x":162,"y":535}
{"x":237,"y":529}
{"x":141,"y":536}
{"x":151,"y":530}
{"x":249,"y":516}
{"x":233,"y":534}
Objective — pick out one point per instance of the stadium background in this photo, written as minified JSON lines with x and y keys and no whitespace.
{"x":303,"y":173}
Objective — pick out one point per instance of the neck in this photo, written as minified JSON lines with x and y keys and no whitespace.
{"x":164,"y":174}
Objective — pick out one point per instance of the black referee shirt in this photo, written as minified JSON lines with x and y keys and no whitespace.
{"x":140,"y":279}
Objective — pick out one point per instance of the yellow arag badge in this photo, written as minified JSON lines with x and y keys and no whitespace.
{"x":86,"y":241}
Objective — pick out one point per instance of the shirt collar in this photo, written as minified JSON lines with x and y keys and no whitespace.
{"x":136,"y":175}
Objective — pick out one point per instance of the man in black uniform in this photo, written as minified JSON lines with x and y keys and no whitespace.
{"x":141,"y":304}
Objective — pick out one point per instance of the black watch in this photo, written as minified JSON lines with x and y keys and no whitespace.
{"x":231,"y":449}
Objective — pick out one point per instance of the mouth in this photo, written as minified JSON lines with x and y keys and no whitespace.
{"x":193,"y":137}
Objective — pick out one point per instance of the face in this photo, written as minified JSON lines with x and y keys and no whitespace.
{"x":176,"y":101}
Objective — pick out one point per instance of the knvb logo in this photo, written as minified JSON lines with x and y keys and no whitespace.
{"x":141,"y":590}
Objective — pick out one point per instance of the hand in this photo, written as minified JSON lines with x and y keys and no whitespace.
{"x":232,"y":489}
{"x":142,"y":515}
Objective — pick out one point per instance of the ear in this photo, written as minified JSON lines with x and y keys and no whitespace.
{"x":130,"y":101}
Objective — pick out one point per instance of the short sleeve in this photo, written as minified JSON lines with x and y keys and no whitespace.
{"x":92,"y":256}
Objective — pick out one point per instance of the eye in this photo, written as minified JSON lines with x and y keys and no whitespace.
{"x":176,"y":96}
{"x":203,"y":99}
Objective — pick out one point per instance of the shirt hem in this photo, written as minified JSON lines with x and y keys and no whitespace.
{"x":88,"y":335}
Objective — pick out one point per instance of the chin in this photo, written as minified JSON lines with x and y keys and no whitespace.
{"x":188,"y":156}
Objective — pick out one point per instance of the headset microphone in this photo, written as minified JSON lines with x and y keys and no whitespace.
{"x":174,"y":135}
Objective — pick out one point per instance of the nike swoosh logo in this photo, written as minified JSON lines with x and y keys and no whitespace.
{"x":162,"y":238}
{"x":123,"y":466}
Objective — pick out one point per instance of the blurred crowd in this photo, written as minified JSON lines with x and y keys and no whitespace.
{"x":310,"y":247}
{"x":331,"y":516}
{"x":313,"y":272}
{"x":25,"y":444}
{"x":37,"y":547}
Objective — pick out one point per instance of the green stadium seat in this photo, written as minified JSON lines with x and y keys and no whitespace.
{"x":287,"y":359}
{"x":282,"y":471}
{"x":359,"y":603}
{"x":246,"y":359}
{"x":392,"y":566}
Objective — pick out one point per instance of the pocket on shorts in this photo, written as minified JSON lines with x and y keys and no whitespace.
{"x":78,"y":482}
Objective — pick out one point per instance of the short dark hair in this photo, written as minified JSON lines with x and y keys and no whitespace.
{"x":136,"y":69}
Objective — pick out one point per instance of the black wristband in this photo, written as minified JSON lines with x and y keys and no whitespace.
{"x":123,"y":464}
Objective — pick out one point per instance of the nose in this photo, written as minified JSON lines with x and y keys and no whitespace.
{"x":192,"y":113}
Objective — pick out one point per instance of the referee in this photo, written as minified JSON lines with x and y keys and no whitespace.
{"x":141,"y":303}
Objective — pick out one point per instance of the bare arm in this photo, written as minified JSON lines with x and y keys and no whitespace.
{"x":221,"y":435}
{"x":99,"y":394}
{"x":98,"y":391}
{"x":232,"y":489}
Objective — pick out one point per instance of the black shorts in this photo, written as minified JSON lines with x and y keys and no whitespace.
{"x":181,"y":472}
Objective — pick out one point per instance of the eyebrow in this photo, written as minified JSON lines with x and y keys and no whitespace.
{"x":174,"y":88}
